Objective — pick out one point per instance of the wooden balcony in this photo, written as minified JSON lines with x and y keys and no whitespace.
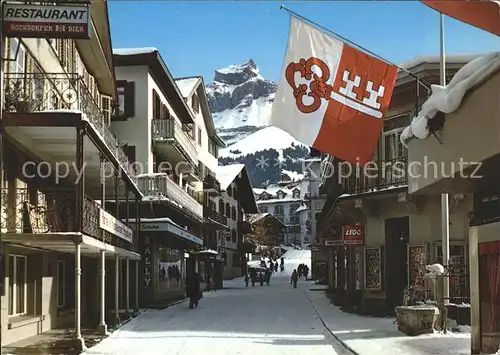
{"x":211,"y":185}
{"x":161,"y":187}
{"x":54,"y":211}
{"x":209,"y":213}
{"x":62,"y":92}
{"x":174,"y":144}
{"x":376,"y":176}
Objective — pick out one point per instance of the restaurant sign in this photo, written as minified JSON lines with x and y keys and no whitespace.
{"x":46,"y":21}
{"x":114,"y":226}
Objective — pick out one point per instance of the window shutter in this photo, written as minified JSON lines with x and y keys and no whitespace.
{"x":130,"y":153}
{"x":154,"y":103}
{"x":129,"y":99}
{"x":155,"y":170}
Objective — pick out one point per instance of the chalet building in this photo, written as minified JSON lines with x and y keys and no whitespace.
{"x":474,"y":141}
{"x":68,"y":260}
{"x":170,"y":135}
{"x":396,"y":234}
{"x":282,"y":201}
{"x":265,"y":230}
{"x":236,"y":201}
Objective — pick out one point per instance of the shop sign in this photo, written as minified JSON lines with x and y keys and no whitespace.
{"x":332,"y":242}
{"x":353,"y":235}
{"x":147,"y":259}
{"x":46,"y":21}
{"x":114,"y":226}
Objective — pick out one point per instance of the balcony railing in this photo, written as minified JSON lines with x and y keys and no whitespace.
{"x":211,"y":184}
{"x":213,"y":215}
{"x":32,"y":92}
{"x":170,"y":129}
{"x":162,"y":187}
{"x":377,"y":176}
{"x":53,"y":211}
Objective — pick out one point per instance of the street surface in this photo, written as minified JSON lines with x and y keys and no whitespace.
{"x":274,"y":319}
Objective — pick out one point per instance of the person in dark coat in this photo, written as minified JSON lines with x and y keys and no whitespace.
{"x":193,"y":291}
{"x":294,"y":278}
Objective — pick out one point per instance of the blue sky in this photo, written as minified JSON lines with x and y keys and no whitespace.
{"x":197,"y":37}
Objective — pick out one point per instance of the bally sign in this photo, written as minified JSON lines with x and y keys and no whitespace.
{"x":353,"y":235}
{"x":46,"y":21}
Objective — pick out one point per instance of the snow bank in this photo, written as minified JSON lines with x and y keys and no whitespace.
{"x":448,"y":98}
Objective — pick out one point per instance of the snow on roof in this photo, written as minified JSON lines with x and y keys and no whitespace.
{"x":252,"y":218}
{"x":302,"y":208}
{"x":132,"y":51}
{"x":295,"y":176}
{"x":450,"y":58}
{"x":227,"y":173}
{"x":258,"y":191}
{"x":187,"y":85}
{"x":448,"y":98}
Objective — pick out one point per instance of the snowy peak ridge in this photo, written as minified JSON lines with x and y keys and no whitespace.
{"x":237,"y":74}
{"x":240,"y":100}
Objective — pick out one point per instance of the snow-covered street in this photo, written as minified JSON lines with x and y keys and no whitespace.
{"x":274,"y":319}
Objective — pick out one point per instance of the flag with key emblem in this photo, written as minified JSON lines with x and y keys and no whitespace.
{"x":332,"y":96}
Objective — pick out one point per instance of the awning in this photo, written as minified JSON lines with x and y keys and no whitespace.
{"x":165,"y":224}
{"x":65,"y":243}
{"x":483,"y":14}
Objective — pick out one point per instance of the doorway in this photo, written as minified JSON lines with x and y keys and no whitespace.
{"x":397,"y":235}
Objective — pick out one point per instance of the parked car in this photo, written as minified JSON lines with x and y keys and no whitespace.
{"x":257,"y":270}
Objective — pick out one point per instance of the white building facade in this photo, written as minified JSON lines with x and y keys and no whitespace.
{"x":286,"y":202}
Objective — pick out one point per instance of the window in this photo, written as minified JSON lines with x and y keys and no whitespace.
{"x":296,"y":193}
{"x":295,"y":219}
{"x":294,"y":207}
{"x":195,"y":103}
{"x":221,"y":207}
{"x":279,"y":210}
{"x":280,"y":194}
{"x":156,"y":105}
{"x":263,"y":209}
{"x":61,"y":283}
{"x":233,"y":235}
{"x":213,"y":148}
{"x":125,"y":91}
{"x":393,"y":148}
{"x":18,"y":289}
{"x":18,"y":65}
{"x":233,"y":213}
{"x":228,"y":210}
{"x":199,"y":136}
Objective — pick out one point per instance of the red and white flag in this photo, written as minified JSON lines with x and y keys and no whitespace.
{"x":332,"y":96}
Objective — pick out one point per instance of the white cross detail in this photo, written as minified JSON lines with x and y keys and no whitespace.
{"x":374,"y":95}
{"x":350,"y":84}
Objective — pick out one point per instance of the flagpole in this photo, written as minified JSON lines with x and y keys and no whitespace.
{"x":335,"y":34}
{"x":445,"y":201}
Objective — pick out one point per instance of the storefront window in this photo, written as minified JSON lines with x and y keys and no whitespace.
{"x":171,"y":269}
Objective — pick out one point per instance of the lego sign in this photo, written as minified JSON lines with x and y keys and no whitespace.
{"x":46,"y":21}
{"x":353,"y":235}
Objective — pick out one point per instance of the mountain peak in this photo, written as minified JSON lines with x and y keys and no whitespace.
{"x":237,"y":74}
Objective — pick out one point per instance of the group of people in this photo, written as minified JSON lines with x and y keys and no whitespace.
{"x":172,"y":272}
{"x":303,"y":270}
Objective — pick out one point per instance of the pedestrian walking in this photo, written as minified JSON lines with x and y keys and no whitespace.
{"x":306,"y":271}
{"x":193,"y":291}
{"x":294,"y":278}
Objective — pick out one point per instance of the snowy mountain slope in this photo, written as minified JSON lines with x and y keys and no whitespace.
{"x":241,"y":100}
{"x":265,"y":138}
